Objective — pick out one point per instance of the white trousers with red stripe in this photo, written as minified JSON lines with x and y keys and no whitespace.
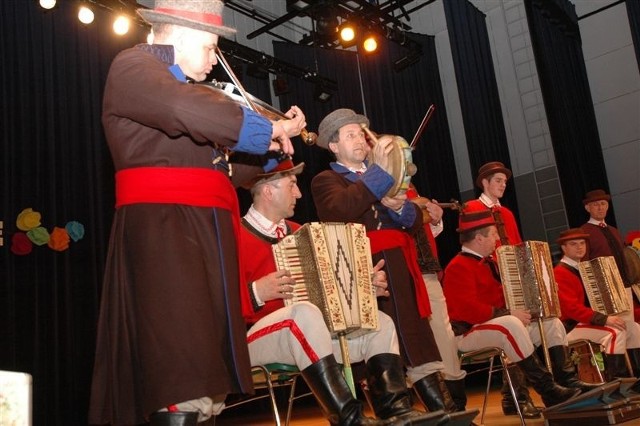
{"x":509,"y":333}
{"x":298,"y":335}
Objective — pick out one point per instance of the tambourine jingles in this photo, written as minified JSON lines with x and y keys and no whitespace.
{"x":401,"y":166}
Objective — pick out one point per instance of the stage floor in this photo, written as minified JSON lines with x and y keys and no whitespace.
{"x":307,"y":413}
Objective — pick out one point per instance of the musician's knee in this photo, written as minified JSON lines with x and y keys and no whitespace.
{"x":308,"y":311}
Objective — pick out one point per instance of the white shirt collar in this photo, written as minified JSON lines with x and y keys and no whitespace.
{"x":484,"y":199}
{"x":262,"y":224}
{"x":595,"y":222}
{"x":569,"y":262}
{"x":475,"y":253}
{"x":362,"y":168}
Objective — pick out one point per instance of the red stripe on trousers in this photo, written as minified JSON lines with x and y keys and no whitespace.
{"x":603,"y":328}
{"x":500,"y":329}
{"x":294,"y":329}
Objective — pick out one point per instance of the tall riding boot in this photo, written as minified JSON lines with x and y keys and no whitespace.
{"x":615,"y":366}
{"x":433,"y":393}
{"x":458,"y":393}
{"x":176,"y":418}
{"x":388,"y":391}
{"x":328,"y":385}
{"x":519,"y":382}
{"x":564,"y":371}
{"x":634,"y":358}
{"x":543,"y":383}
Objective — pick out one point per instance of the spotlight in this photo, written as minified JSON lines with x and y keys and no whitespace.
{"x":121,"y":25}
{"x":347,"y":33}
{"x":47,"y":4}
{"x":370,"y":44}
{"x":321,"y":93}
{"x":85,"y":15}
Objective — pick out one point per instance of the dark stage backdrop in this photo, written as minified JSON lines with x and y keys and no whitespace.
{"x":557,"y":47}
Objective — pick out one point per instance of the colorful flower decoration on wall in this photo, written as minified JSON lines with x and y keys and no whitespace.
{"x":29,"y":222}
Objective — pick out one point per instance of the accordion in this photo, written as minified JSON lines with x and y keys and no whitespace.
{"x":526,"y":271}
{"x":331,"y":264}
{"x":603,"y":285}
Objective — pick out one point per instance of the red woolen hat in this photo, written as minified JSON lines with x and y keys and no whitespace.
{"x":595,"y":195}
{"x":284,"y":168}
{"x":572,"y":234}
{"x":474,"y":220}
{"x":491,"y":168}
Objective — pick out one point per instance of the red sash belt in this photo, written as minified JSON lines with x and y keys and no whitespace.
{"x":175,"y":185}
{"x":387,"y":239}
{"x":182,"y":185}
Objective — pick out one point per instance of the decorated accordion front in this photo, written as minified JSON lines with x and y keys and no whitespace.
{"x":526,"y":271}
{"x":331,"y":264}
{"x":604,"y":286}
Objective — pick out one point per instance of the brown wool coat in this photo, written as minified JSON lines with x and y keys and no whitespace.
{"x":170,"y":327}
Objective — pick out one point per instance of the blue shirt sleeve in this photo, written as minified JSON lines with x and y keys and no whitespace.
{"x":255,"y":134}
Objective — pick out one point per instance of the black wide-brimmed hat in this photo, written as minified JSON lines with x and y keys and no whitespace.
{"x":203,"y":15}
{"x":284,"y":168}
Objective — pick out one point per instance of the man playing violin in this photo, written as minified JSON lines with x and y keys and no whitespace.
{"x":353,"y":190}
{"x":170,"y":342}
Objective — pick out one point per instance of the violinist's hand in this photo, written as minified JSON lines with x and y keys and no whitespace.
{"x":381,"y":150}
{"x":394,"y":203}
{"x":379,"y":280}
{"x":276,"y":285}
{"x":283,"y":130}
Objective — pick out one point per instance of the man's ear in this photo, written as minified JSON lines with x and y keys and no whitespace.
{"x":333,"y":147}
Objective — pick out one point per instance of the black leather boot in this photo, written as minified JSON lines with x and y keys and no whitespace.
{"x":543,"y":383}
{"x":388,"y":392}
{"x":519,"y":382}
{"x":615,"y":366}
{"x":433,"y":393}
{"x":328,"y":385}
{"x":176,"y":418}
{"x":634,"y":358}
{"x":564,"y":371}
{"x":458,"y":393}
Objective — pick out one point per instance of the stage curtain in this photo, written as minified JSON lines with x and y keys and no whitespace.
{"x":557,"y":47}
{"x":478,"y":90}
{"x":633,"y":11}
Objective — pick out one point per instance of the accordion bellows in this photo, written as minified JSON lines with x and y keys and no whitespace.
{"x":604,"y":286}
{"x":526,"y":272}
{"x":331,"y":264}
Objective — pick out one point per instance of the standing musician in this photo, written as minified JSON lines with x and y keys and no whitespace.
{"x":353,"y":190}
{"x":614,"y":333}
{"x":492,"y":179}
{"x":605,"y":240}
{"x":297,"y":334}
{"x":170,"y":338}
{"x":432,"y":275}
{"x":480,"y":318}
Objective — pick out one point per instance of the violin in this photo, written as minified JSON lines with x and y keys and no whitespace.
{"x":235,"y":91}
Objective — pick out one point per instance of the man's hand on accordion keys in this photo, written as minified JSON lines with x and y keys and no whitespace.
{"x":379,"y":280}
{"x":276,"y":285}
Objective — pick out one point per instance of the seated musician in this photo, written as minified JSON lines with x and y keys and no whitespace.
{"x":297,"y":334}
{"x":480,"y":318}
{"x":614,"y":333}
